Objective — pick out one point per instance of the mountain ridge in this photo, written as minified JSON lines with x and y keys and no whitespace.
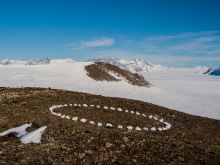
{"x":132,"y":65}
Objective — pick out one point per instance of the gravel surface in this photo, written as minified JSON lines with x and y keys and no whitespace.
{"x":191,"y":139}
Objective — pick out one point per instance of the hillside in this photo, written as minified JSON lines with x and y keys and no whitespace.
{"x":107,"y":72}
{"x":190,"y":140}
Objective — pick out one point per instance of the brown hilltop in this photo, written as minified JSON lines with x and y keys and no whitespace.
{"x":102,"y":71}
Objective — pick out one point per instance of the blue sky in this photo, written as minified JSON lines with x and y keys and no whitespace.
{"x":167,"y":32}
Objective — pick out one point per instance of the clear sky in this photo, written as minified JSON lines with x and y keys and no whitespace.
{"x":167,"y":32}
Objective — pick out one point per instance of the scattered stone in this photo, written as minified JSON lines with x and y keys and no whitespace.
{"x":81,"y":155}
{"x":108,"y":145}
{"x":89,"y":152}
{"x":125,"y":139}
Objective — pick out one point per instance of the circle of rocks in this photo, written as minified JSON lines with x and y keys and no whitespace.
{"x":109,"y":125}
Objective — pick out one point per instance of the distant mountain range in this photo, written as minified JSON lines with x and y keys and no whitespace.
{"x":25,"y":62}
{"x":132,"y":65}
{"x":36,"y":62}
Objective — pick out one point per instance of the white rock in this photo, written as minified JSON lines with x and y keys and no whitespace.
{"x":132,"y":112}
{"x":97,"y":106}
{"x":153,"y":129}
{"x":129,"y":127}
{"x":67,"y":117}
{"x":92,"y":122}
{"x":150,"y":116}
{"x":109,"y":125}
{"x":75,"y":118}
{"x":164,"y":128}
{"x":143,"y":115}
{"x":145,"y":128}
{"x":91,"y":105}
{"x":138,"y":128}
{"x":168,"y":125}
{"x":83,"y":120}
{"x":105,"y":107}
{"x":85,"y":105}
{"x":137,"y":113}
{"x":155,"y":118}
{"x":126,"y":111}
{"x":63,"y":116}
{"x":99,"y":124}
{"x":119,"y":109}
{"x":120,"y":126}
{"x":112,"y":108}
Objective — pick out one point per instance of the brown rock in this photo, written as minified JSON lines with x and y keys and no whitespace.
{"x":125,"y":139}
{"x":108,"y":145}
{"x":89,"y":152}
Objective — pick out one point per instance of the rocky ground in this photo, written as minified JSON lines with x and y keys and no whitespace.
{"x":103,"y":71}
{"x":191,"y":139}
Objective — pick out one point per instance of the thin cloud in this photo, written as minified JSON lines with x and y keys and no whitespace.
{"x":200,"y":43}
{"x":181,"y":36}
{"x":97,"y":43}
{"x":180,"y":48}
{"x":101,"y":42}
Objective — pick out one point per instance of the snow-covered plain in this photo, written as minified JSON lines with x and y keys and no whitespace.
{"x":181,"y":89}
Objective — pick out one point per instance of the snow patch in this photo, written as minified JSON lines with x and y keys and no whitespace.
{"x":34,"y":136}
{"x":26,"y":137}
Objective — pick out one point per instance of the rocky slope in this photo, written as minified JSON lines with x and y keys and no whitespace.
{"x":107,"y":72}
{"x":190,"y":140}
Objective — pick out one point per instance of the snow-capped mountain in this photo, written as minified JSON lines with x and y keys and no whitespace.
{"x":216,"y":72}
{"x":132,"y":65}
{"x":202,"y":69}
{"x":12,"y":62}
{"x":25,"y":62}
{"x":45,"y":61}
{"x":208,"y":71}
{"x":39,"y":62}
